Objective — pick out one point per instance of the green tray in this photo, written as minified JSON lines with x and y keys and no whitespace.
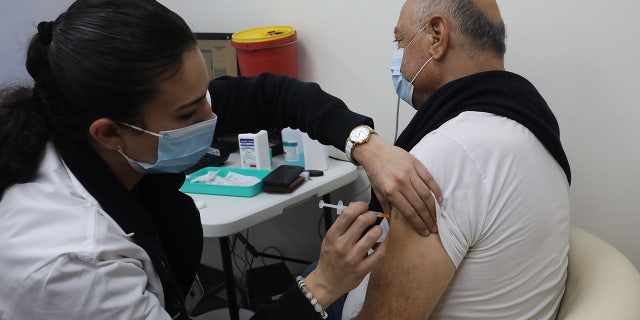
{"x":235,"y":191}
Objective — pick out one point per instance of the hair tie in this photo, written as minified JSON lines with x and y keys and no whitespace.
{"x":36,"y":92}
{"x":45,"y":32}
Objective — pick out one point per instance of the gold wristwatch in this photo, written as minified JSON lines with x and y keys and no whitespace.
{"x":359,"y":135}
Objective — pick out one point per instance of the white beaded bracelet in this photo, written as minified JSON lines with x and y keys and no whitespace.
{"x":314,"y":302}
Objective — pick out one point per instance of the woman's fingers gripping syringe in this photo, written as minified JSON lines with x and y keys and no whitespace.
{"x":343,"y":257}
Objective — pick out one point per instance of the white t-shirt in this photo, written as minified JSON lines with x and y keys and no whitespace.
{"x":504,"y":222}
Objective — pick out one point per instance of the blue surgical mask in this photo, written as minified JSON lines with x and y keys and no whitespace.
{"x":404,"y":88}
{"x":178,"y":149}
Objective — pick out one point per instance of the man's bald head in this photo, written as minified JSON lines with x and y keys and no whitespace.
{"x":490,"y":9}
{"x":477,"y":23}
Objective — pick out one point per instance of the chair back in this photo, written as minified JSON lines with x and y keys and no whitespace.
{"x":601,"y":282}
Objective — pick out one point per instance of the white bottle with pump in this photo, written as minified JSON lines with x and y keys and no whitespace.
{"x":254,"y":150}
{"x":293,"y":147}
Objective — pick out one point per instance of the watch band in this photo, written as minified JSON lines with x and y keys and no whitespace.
{"x":348,"y":149}
{"x":359,"y":135}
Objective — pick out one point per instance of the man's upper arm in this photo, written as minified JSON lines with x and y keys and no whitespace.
{"x":411,"y":279}
{"x":416,"y":270}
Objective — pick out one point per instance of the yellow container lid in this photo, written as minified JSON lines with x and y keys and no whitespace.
{"x":263,"y":34}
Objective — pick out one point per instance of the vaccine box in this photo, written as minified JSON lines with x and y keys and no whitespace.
{"x":254,"y":150}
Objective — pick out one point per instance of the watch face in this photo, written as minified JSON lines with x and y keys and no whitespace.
{"x":359,"y":134}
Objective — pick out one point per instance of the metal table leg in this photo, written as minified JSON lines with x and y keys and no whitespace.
{"x":227,"y":267}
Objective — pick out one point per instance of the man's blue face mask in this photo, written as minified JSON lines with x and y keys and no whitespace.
{"x":404,"y":88}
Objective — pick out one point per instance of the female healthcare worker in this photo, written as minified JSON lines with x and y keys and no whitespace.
{"x":92,"y":224}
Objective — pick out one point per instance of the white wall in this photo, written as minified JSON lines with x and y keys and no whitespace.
{"x":18,"y":21}
{"x":582,"y":56}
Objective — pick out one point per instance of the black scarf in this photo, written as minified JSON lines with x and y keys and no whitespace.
{"x":498,"y":92}
{"x":164,"y":221}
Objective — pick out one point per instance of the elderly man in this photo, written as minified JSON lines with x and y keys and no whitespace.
{"x":492,"y":144}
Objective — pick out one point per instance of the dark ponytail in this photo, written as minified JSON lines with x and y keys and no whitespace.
{"x":24,"y":132}
{"x":99,"y":59}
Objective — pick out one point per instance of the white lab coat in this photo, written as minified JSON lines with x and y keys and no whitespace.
{"x":63,"y":257}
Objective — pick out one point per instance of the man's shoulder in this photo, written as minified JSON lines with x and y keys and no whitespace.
{"x":480,"y":139}
{"x":474,"y":126}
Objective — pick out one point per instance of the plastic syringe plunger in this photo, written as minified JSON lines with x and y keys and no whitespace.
{"x":339,"y":207}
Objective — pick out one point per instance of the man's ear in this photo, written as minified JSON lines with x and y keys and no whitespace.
{"x":438,"y":32}
{"x":106,"y":133}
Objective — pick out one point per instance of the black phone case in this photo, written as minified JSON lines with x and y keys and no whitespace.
{"x":283,"y":179}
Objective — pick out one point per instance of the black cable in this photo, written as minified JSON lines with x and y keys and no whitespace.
{"x":367,"y":188}
{"x":338,"y":159}
{"x":397,"y":119}
{"x":280,"y":253}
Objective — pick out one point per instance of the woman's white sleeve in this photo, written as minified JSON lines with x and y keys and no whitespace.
{"x":75,"y":287}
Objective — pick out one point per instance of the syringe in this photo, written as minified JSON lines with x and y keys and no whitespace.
{"x":340,"y":206}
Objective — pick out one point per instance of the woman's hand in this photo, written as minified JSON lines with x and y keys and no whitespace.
{"x":400,"y":181}
{"x":343,"y":259}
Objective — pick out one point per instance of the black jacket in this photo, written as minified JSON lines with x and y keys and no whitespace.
{"x":268,"y":101}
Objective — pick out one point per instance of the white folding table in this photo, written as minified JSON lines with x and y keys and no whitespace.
{"x":224,"y":216}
